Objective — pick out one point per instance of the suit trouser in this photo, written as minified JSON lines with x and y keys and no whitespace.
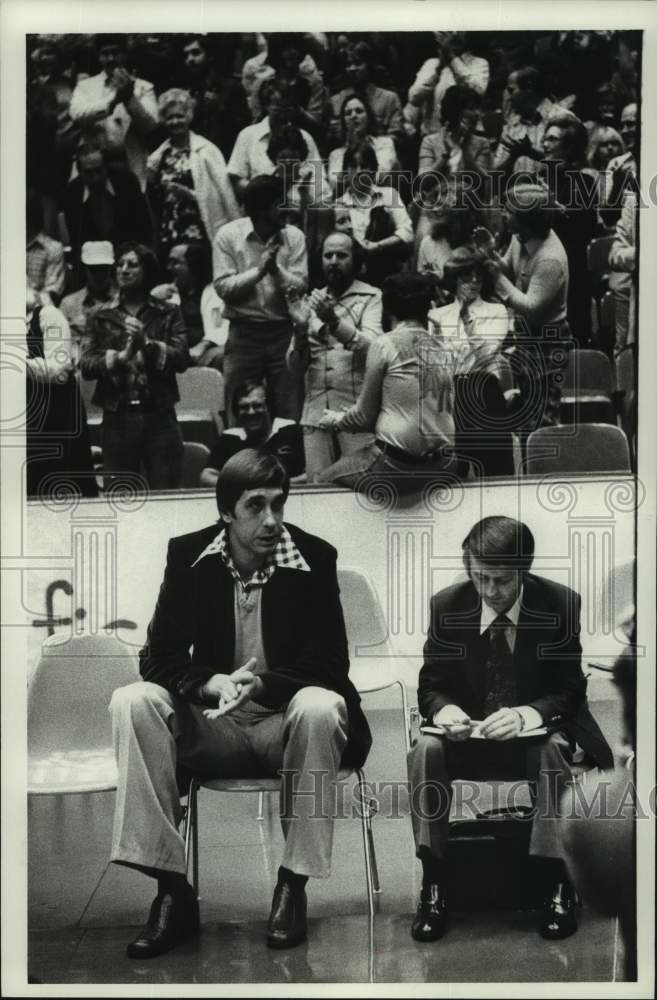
{"x":434,"y":761}
{"x":154,"y":731}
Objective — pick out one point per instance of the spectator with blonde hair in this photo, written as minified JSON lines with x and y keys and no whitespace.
{"x":188,"y":184}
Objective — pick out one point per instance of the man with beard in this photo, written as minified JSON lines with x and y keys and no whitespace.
{"x":333,"y":330}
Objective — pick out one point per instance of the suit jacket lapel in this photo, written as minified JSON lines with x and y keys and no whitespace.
{"x":217,"y":595}
{"x":531,"y":632}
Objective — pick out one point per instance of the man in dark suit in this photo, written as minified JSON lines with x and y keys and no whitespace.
{"x":104,"y":203}
{"x":502,"y":658}
{"x":265,"y":689}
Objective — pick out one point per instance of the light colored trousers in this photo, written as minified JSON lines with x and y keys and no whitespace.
{"x":323,"y":448}
{"x":153,"y":731}
{"x":434,"y":761}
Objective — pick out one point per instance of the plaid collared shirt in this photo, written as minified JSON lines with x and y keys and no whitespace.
{"x":286,"y":554}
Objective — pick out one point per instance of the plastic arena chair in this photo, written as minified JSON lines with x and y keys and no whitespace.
{"x":202,"y":401}
{"x":195,"y":458}
{"x":367,"y":637}
{"x":577,"y":448}
{"x":586,"y":395}
{"x":69,"y":729}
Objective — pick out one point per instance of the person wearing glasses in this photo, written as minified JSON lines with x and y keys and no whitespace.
{"x":256,"y":429}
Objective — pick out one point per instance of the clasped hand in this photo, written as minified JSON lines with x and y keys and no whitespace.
{"x":230,"y":690}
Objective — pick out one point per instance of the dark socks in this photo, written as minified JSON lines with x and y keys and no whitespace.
{"x":434,"y":869}
{"x":172,"y":882}
{"x":296,"y":882}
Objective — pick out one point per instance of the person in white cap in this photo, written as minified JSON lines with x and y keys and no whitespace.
{"x":100,"y":288}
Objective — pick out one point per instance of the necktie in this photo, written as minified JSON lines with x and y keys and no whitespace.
{"x":500,"y":680}
{"x":466,"y":319}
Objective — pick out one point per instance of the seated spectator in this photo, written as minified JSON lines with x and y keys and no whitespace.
{"x":125,"y":106}
{"x":220,"y":108}
{"x":358,"y":125}
{"x":134,"y":350}
{"x":404,"y":400}
{"x":250,"y":158}
{"x":385,"y":104}
{"x":379,"y":219}
{"x":191,"y":289}
{"x":254,"y":428}
{"x":188,"y":184}
{"x":99,"y":290}
{"x":58,"y":453}
{"x":258,"y":262}
{"x":333,"y":330}
{"x":44,"y":257}
{"x":454,"y":64}
{"x":471,"y":332}
{"x":104,"y":204}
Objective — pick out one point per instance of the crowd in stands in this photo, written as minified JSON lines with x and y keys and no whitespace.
{"x":382,"y":241}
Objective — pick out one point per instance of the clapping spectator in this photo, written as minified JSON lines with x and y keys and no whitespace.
{"x":134,"y":350}
{"x":333,"y":330}
{"x":191,"y":289}
{"x":250,"y":158}
{"x":454,"y":64}
{"x":188,"y":182}
{"x":125,"y":106}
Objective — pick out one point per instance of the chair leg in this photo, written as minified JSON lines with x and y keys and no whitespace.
{"x":368,"y":844}
{"x":407,"y":718}
{"x":261,"y":806}
{"x":190,"y":833}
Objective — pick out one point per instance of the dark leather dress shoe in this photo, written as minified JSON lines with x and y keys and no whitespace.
{"x":287,"y":920}
{"x":172,"y":919}
{"x":430,"y":921}
{"x":559,"y":917}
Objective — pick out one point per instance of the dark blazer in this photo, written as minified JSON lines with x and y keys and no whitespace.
{"x":130,"y":217}
{"x":547,"y":660}
{"x":192,"y":633}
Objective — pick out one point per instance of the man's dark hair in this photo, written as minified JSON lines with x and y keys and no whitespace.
{"x":146,"y":258}
{"x":408,"y":296}
{"x":267,"y":90}
{"x":198,"y":257}
{"x":289,"y":137}
{"x":115,"y":41}
{"x":262,"y":193}
{"x":457,"y":99}
{"x":499,"y":541}
{"x":362,"y":52}
{"x":249,"y":470}
{"x":245,"y":388}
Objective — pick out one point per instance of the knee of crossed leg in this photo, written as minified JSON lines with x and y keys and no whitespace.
{"x":133,"y":698}
{"x":314,"y":704}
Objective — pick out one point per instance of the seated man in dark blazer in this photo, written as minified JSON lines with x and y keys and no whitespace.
{"x":245,"y":674}
{"x":502,"y":658}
